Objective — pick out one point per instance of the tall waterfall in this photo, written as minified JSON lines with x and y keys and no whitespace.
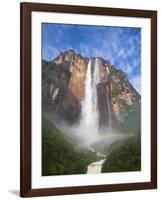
{"x":90,"y":117}
{"x":109,"y":113}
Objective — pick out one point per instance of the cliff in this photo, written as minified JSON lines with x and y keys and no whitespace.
{"x":63,"y":90}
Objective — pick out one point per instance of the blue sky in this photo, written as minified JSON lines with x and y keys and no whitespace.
{"x":121,"y":46}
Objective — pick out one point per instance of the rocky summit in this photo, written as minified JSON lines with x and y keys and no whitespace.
{"x":63,"y":91}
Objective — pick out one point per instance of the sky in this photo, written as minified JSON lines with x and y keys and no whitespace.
{"x":119,"y":45}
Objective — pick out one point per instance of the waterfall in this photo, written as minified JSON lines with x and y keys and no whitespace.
{"x":96,"y":71}
{"x":109,"y":112}
{"x":89,"y":122}
{"x":90,"y":118}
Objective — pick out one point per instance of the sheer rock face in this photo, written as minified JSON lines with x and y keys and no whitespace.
{"x":126,"y":101}
{"x":78,"y":68}
{"x":63,"y":89}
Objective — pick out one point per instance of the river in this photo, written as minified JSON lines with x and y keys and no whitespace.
{"x":96,"y":167}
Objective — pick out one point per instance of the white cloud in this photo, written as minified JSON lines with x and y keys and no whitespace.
{"x":128,"y":69}
{"x":121,"y":52}
{"x":84,"y":49}
{"x":50,"y":52}
{"x":136,"y":82}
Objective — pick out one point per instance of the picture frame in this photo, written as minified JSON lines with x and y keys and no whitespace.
{"x":27,"y":92}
